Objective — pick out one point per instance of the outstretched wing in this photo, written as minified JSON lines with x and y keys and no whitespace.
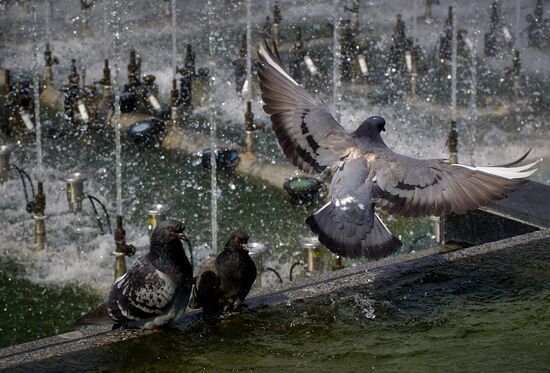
{"x":308,"y":134}
{"x":347,"y":225}
{"x":411,"y":187}
{"x":142,"y":293}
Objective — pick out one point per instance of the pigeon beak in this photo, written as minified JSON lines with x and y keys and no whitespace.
{"x":244,"y":246}
{"x":182,"y":236}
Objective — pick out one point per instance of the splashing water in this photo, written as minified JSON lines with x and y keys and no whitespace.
{"x":415,"y":21}
{"x":174,"y":30}
{"x":453,"y":65}
{"x":248,"y":51}
{"x":473,"y":98}
{"x":116,"y":26}
{"x":36,"y":85}
{"x":336,"y":61}
{"x":213,"y":129}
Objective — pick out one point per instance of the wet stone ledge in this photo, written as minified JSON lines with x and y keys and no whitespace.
{"x":323,"y":285}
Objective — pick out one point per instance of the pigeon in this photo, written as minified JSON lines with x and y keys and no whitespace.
{"x":156,"y":289}
{"x":225,"y":280}
{"x":366,"y":172}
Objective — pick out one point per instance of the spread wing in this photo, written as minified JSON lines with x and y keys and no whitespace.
{"x":142,"y":293}
{"x":347,"y":225}
{"x":411,"y":187}
{"x":308,"y":134}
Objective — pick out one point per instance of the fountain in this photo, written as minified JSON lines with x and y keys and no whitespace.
{"x":336,"y":58}
{"x":213,"y":129}
{"x":122,"y":249}
{"x":253,"y":178}
{"x":499,"y":38}
{"x":5,"y":166}
{"x":452,"y":139}
{"x":473,"y":96}
{"x":276,"y":27}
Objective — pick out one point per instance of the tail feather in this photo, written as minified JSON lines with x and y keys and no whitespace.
{"x":96,"y":316}
{"x":352,"y":238}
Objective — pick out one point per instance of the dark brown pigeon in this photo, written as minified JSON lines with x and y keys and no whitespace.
{"x":366,"y":172}
{"x":225,"y":280}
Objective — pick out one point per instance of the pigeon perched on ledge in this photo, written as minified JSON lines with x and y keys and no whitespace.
{"x":155,"y":290}
{"x":224,"y":281}
{"x":368,"y":173}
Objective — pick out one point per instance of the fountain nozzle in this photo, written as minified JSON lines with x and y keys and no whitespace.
{"x":37,"y":208}
{"x":75,"y":191}
{"x":122,"y":248}
{"x":452,"y":143}
{"x":5,"y":152}
{"x":313,"y":250}
{"x":250,"y":125}
{"x":155,"y":214}
{"x":49,"y":60}
{"x":174,"y":98}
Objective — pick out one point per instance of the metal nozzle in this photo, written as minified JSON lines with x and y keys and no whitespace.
{"x":452,"y":142}
{"x":5,"y":152}
{"x":37,"y":207}
{"x":122,"y":248}
{"x":156,"y":213}
{"x":313,"y":250}
{"x":256,"y":250}
{"x":75,"y":191}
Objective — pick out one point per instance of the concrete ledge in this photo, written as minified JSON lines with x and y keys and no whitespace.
{"x":364,"y":275}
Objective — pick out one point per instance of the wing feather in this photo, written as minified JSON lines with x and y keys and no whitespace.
{"x":306,"y":131}
{"x":412,"y":187}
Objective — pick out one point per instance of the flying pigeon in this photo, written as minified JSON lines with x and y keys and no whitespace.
{"x":366,"y":172}
{"x":156,"y":289}
{"x":224,"y":281}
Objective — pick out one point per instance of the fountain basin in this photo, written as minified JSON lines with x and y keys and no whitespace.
{"x":426,"y":310}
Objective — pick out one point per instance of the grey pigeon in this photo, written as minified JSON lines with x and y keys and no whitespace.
{"x":366,"y":172}
{"x":224,"y":281}
{"x":155,"y":290}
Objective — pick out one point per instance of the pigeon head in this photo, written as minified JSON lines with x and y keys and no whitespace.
{"x":167,"y":231}
{"x":238,"y":239}
{"x":371,"y":128}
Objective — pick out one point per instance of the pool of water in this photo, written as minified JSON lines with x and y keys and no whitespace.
{"x":32,"y":311}
{"x":490,"y":312}
{"x":75,"y":271}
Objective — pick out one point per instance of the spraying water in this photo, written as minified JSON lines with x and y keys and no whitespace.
{"x":415,"y":21}
{"x":213,"y":129}
{"x":174,"y":49}
{"x":106,"y":30}
{"x":473,"y":97}
{"x":248,"y":51}
{"x":336,"y":61}
{"x":36,"y":86}
{"x":48,"y":20}
{"x":116,"y":27}
{"x":518,"y":17}
{"x":453,"y":66}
